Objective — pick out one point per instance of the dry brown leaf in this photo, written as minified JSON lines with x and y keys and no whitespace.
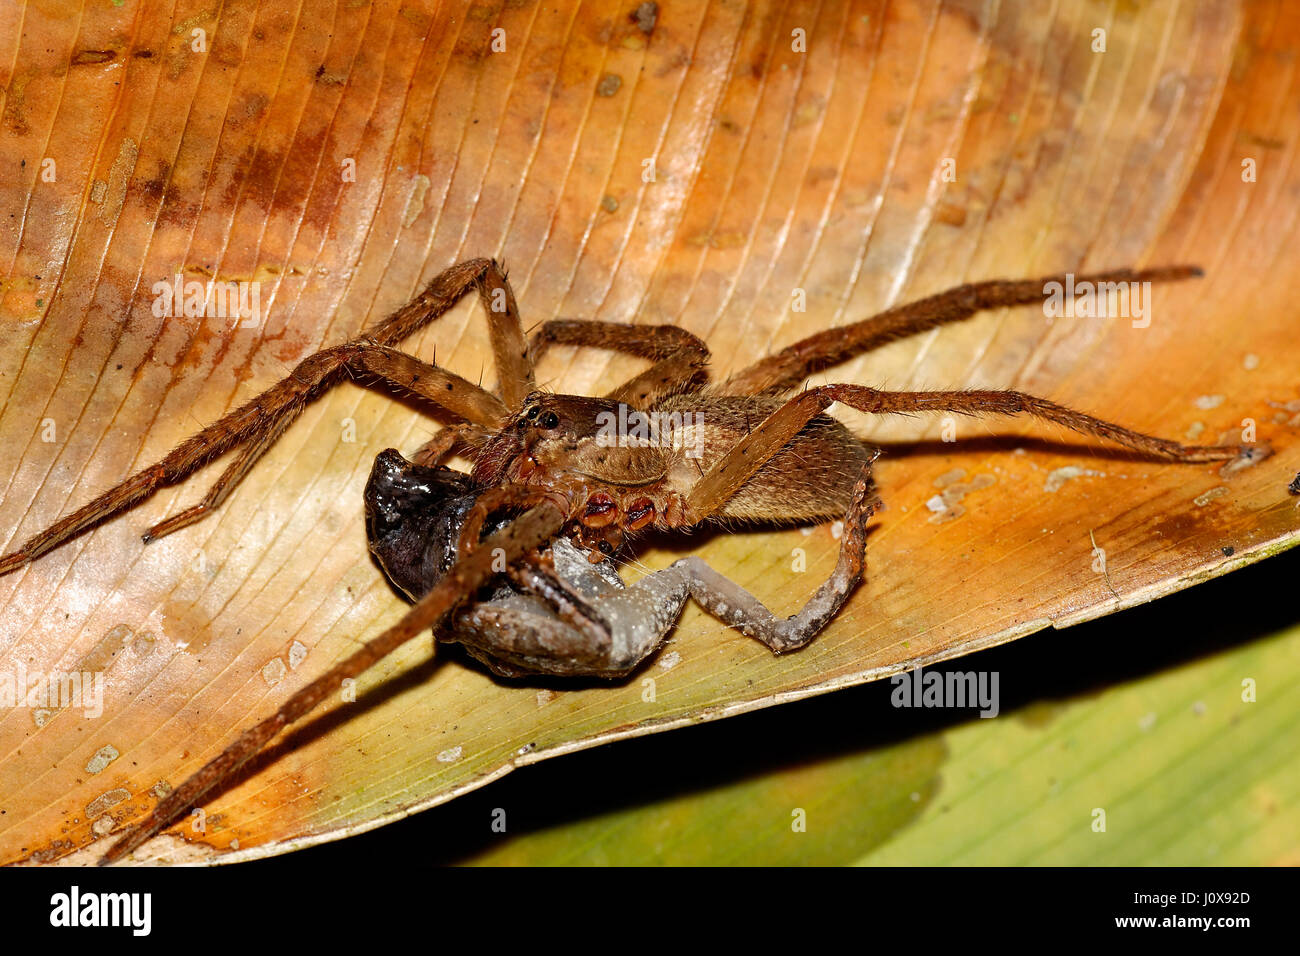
{"x":774,"y":170}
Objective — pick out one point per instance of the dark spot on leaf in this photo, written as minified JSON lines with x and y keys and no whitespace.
{"x":645,"y":16}
{"x":91,"y":57}
{"x":609,"y":84}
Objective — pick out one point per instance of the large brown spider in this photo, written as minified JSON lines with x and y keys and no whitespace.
{"x":561,"y":480}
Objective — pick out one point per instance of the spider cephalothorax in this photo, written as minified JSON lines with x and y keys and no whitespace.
{"x":484,"y":555}
{"x":560,"y":443}
{"x":628,"y":469}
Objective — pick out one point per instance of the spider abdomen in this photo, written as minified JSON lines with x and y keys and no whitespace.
{"x":810,"y":479}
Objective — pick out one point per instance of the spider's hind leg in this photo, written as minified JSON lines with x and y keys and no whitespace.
{"x":712,"y":492}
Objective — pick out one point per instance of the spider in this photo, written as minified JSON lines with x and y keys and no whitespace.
{"x":514,"y":559}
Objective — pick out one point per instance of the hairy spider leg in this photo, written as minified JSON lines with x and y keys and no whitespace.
{"x":749,"y":454}
{"x":258,"y":423}
{"x":679,"y":356}
{"x":398,"y":369}
{"x":527,"y":533}
{"x":785,"y":369}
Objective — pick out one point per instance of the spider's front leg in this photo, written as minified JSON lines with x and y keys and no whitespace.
{"x":461,"y":580}
{"x":254,"y":427}
{"x":679,"y":356}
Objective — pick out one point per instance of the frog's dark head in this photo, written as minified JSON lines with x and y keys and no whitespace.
{"x":414,"y":515}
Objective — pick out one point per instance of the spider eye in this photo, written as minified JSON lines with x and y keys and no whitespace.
{"x":550,"y":420}
{"x":606,"y":548}
{"x":532,"y":412}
